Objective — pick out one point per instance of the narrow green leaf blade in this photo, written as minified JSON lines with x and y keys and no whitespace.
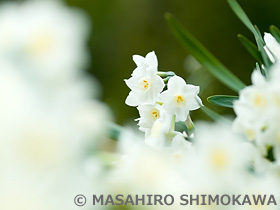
{"x":223,"y":100}
{"x":275,"y":32}
{"x":262,"y":51}
{"x":241,"y":15}
{"x":254,"y":29}
{"x":210,"y":62}
{"x":251,"y":47}
{"x":211,"y":114}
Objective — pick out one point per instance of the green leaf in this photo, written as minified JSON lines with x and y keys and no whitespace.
{"x":258,"y":67}
{"x":251,"y":47}
{"x":261,"y":45}
{"x":209,"y":61}
{"x":211,"y":114}
{"x":242,"y":15}
{"x":222,"y":100}
{"x":114,"y":131}
{"x":254,"y":29}
{"x":181,"y":126}
{"x":275,"y":32}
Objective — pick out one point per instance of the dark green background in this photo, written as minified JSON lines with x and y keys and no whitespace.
{"x":122,"y":28}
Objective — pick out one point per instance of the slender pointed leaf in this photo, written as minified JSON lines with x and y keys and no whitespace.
{"x":258,"y":67}
{"x":222,"y":100}
{"x":211,"y":114}
{"x":242,"y":15}
{"x":275,"y":32}
{"x":259,"y":39}
{"x":261,"y":45}
{"x":209,"y":61}
{"x":252,"y":48}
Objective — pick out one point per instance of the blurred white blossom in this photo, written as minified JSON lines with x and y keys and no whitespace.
{"x":50,"y":117}
{"x":45,"y":38}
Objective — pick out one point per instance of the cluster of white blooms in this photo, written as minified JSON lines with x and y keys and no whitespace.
{"x":159,"y":109}
{"x":216,"y":163}
{"x":258,"y":108}
{"x":49,"y":114}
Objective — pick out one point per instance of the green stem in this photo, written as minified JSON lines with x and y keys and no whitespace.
{"x":189,"y":124}
{"x":160,"y":103}
{"x":172,"y":127}
{"x":166,"y":74}
{"x":161,"y":73}
{"x":165,"y":80}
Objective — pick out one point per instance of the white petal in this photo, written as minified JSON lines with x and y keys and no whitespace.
{"x":176,"y":83}
{"x":257,"y":77}
{"x":158,"y":84}
{"x":191,"y":89}
{"x":151,"y":59}
{"x":166,"y":96}
{"x":181,"y":114}
{"x":138,"y":59}
{"x":133,"y":99}
{"x":132,"y":83}
{"x":272,"y":45}
{"x":194,"y":103}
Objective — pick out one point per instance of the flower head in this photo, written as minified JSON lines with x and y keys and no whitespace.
{"x":145,"y":84}
{"x":148,"y":115}
{"x":180,"y":98}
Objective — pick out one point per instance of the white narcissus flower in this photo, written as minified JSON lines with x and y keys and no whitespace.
{"x":145,"y":84}
{"x":148,"y":115}
{"x":180,"y":98}
{"x":181,"y":151}
{"x":221,"y":154}
{"x":156,"y":136}
{"x":253,"y":101}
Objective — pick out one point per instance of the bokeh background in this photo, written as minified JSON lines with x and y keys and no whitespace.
{"x":122,"y":28}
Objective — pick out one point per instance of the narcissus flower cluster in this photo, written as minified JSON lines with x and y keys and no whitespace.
{"x":159,"y":109}
{"x":258,"y":108}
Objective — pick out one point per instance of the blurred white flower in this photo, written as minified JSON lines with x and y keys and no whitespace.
{"x":180,"y":98}
{"x":221,"y":154}
{"x":181,"y":151}
{"x":45,"y":38}
{"x":143,"y":169}
{"x":145,"y":84}
{"x":252,"y":107}
{"x":49,"y":115}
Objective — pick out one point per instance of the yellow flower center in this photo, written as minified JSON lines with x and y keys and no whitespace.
{"x":219,"y":159}
{"x":250,"y":134}
{"x":278,"y":137}
{"x":179,"y":101}
{"x":144,"y":84}
{"x":277,"y":100}
{"x":258,"y":100}
{"x":178,"y":157}
{"x":42,"y":44}
{"x":41,"y":148}
{"x":154,"y":113}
